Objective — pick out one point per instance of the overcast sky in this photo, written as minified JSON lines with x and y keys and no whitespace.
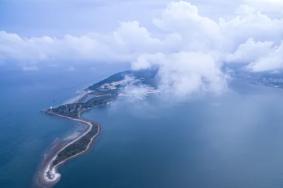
{"x":189,"y":41}
{"x":58,"y":17}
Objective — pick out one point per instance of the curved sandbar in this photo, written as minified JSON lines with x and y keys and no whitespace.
{"x":72,"y":149}
{"x":99,"y":94}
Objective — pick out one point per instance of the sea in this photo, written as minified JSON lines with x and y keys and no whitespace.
{"x":229,"y":141}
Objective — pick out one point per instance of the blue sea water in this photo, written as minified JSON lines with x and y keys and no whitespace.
{"x":26,"y":133}
{"x":234,"y":141}
{"x":230,"y":141}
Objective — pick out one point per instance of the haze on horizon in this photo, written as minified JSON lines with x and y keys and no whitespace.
{"x":189,"y":41}
{"x":187,"y":93}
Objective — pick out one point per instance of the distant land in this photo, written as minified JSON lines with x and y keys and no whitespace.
{"x":103,"y":93}
{"x":98,"y":94}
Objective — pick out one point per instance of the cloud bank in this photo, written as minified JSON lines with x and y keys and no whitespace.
{"x":188,"y":47}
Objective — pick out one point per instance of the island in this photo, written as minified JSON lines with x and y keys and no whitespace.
{"x":96,"y":95}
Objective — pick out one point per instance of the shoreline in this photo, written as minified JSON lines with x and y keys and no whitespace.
{"x":50,"y":174}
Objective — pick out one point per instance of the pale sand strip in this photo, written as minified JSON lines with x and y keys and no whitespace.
{"x":51,"y":175}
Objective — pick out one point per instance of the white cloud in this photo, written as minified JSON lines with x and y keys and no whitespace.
{"x":185,"y":73}
{"x":259,"y":56}
{"x":196,"y":32}
{"x":123,"y":44}
{"x":188,"y":48}
{"x":271,"y":61}
{"x":136,"y":92}
{"x":250,"y":23}
{"x":134,"y":38}
{"x":250,"y":51}
{"x":271,"y":7}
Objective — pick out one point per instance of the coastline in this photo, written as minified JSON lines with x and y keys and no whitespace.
{"x":99,"y":94}
{"x":49,"y":175}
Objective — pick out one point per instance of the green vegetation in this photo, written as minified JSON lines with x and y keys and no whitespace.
{"x":75,"y":109}
{"x":76,"y":147}
{"x":99,"y":94}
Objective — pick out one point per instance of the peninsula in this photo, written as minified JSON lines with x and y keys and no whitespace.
{"x":99,"y":94}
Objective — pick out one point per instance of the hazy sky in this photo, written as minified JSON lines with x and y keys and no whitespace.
{"x":189,"y":41}
{"x":34,"y":17}
{"x":59,"y":17}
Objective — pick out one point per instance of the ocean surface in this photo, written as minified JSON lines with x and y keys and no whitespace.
{"x":230,"y":141}
{"x":26,"y":133}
